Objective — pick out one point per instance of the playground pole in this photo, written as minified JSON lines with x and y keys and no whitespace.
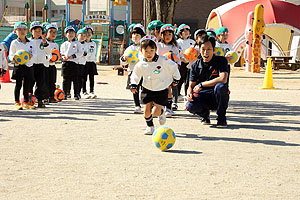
{"x":111,"y":32}
{"x":127,"y":20}
{"x":83,"y":10}
{"x":67,"y":13}
{"x":3,"y":15}
{"x":34,"y":9}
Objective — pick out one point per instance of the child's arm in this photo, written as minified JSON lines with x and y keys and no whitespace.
{"x":124,"y":57}
{"x":63,"y":51}
{"x":135,"y":78}
{"x":12,"y":51}
{"x":174,"y":72}
{"x":3,"y":60}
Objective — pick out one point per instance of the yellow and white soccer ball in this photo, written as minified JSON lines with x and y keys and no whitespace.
{"x":133,"y":56}
{"x":234,"y":57}
{"x":219,"y":51}
{"x":22,"y":57}
{"x":163,"y":138}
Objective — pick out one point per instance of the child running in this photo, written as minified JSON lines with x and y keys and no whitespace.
{"x":158,"y":74}
{"x":51,"y":30}
{"x":168,"y":44}
{"x":70,"y":51}
{"x":184,"y":42}
{"x":91,"y":68}
{"x":23,"y":74}
{"x":137,"y":33}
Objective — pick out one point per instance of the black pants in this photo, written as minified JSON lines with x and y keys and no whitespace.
{"x":52,"y":80}
{"x":183,"y":73}
{"x":92,"y":82}
{"x":41,"y":91}
{"x":23,"y":76}
{"x":70,"y":72}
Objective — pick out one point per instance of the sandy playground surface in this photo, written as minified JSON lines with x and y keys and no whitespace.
{"x":95,"y":148}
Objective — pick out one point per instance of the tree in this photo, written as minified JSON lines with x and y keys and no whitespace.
{"x":162,"y":10}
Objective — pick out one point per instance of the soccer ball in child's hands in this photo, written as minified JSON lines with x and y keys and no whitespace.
{"x":163,"y":138}
{"x":55,"y":55}
{"x":191,"y":54}
{"x":234,"y":57}
{"x":219,"y":51}
{"x":171,"y":56}
{"x":21,"y":57}
{"x":133,"y":56}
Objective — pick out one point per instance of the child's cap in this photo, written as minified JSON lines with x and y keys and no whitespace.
{"x":20,"y":25}
{"x":211,"y":32}
{"x":167,"y":27}
{"x":154,"y":24}
{"x":51,"y":26}
{"x":199,"y":32}
{"x":183,"y":26}
{"x":139,"y":29}
{"x":83,"y":30}
{"x":44,"y":27}
{"x":35,"y":24}
{"x":149,"y":37}
{"x":69,"y":28}
{"x":89,"y":27}
{"x":131,"y":26}
{"x":221,"y":30}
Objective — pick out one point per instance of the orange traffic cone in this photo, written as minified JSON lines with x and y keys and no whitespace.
{"x":6,"y":77}
{"x":268,"y":81}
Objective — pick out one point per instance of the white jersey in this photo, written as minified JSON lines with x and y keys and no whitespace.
{"x":91,"y":53}
{"x":17,"y":45}
{"x":42,"y":51}
{"x":225,"y":47}
{"x":163,"y":48}
{"x":84,"y":49}
{"x":133,"y":47}
{"x":157,"y":75}
{"x":72,"y":48}
{"x":3,"y":61}
{"x":185,"y":44}
{"x":53,"y":45}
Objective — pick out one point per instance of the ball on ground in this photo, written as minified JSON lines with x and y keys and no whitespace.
{"x":163,"y":138}
{"x":31,"y":99}
{"x":59,"y":95}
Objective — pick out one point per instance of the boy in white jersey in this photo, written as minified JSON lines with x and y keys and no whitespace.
{"x":81,"y":35}
{"x":91,"y":68}
{"x":70,"y":51}
{"x":40,"y":60}
{"x":23,"y":74}
{"x":137,"y":33}
{"x":158,"y":74}
{"x":51,"y":30}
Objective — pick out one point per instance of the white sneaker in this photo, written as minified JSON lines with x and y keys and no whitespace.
{"x":168,"y":112}
{"x":138,"y":110}
{"x":162,"y":118}
{"x":86,"y":95}
{"x":93,"y":96}
{"x":149,"y":130}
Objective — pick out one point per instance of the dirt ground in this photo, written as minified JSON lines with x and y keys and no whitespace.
{"x":95,"y":148}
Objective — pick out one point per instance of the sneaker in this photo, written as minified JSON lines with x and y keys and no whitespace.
{"x":205,"y":120}
{"x":76,"y":97}
{"x":68,"y":95}
{"x":28,"y":106}
{"x":168,"y":112}
{"x":86,"y":95}
{"x":162,"y":118}
{"x":222,"y":124}
{"x":138,"y":110}
{"x":65,"y":97}
{"x":46,"y":101}
{"x":18,"y":106}
{"x":41,"y":105}
{"x":174,"y":106}
{"x":149,"y":130}
{"x":93,"y":96}
{"x":52,"y":100}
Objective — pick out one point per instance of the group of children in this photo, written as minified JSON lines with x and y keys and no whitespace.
{"x":160,"y":78}
{"x":78,"y":56}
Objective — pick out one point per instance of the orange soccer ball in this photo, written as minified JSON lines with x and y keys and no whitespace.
{"x":171,"y":56}
{"x":59,"y":95}
{"x":191,"y":54}
{"x":55,"y":55}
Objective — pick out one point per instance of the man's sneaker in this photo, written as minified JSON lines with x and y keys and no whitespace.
{"x":41,"y":105}
{"x":18,"y":106}
{"x":168,"y":113}
{"x":205,"y":120}
{"x":93,"y":95}
{"x":162,"y":118}
{"x":138,"y":110}
{"x":222,"y":124}
{"x":28,"y":106}
{"x":174,"y":106}
{"x":149,"y":130}
{"x":86,"y":95}
{"x":76,"y":97}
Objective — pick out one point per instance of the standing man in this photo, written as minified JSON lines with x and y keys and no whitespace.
{"x":208,"y":87}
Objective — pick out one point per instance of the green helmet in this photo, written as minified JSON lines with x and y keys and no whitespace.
{"x":154,"y":24}
{"x":83,"y":30}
